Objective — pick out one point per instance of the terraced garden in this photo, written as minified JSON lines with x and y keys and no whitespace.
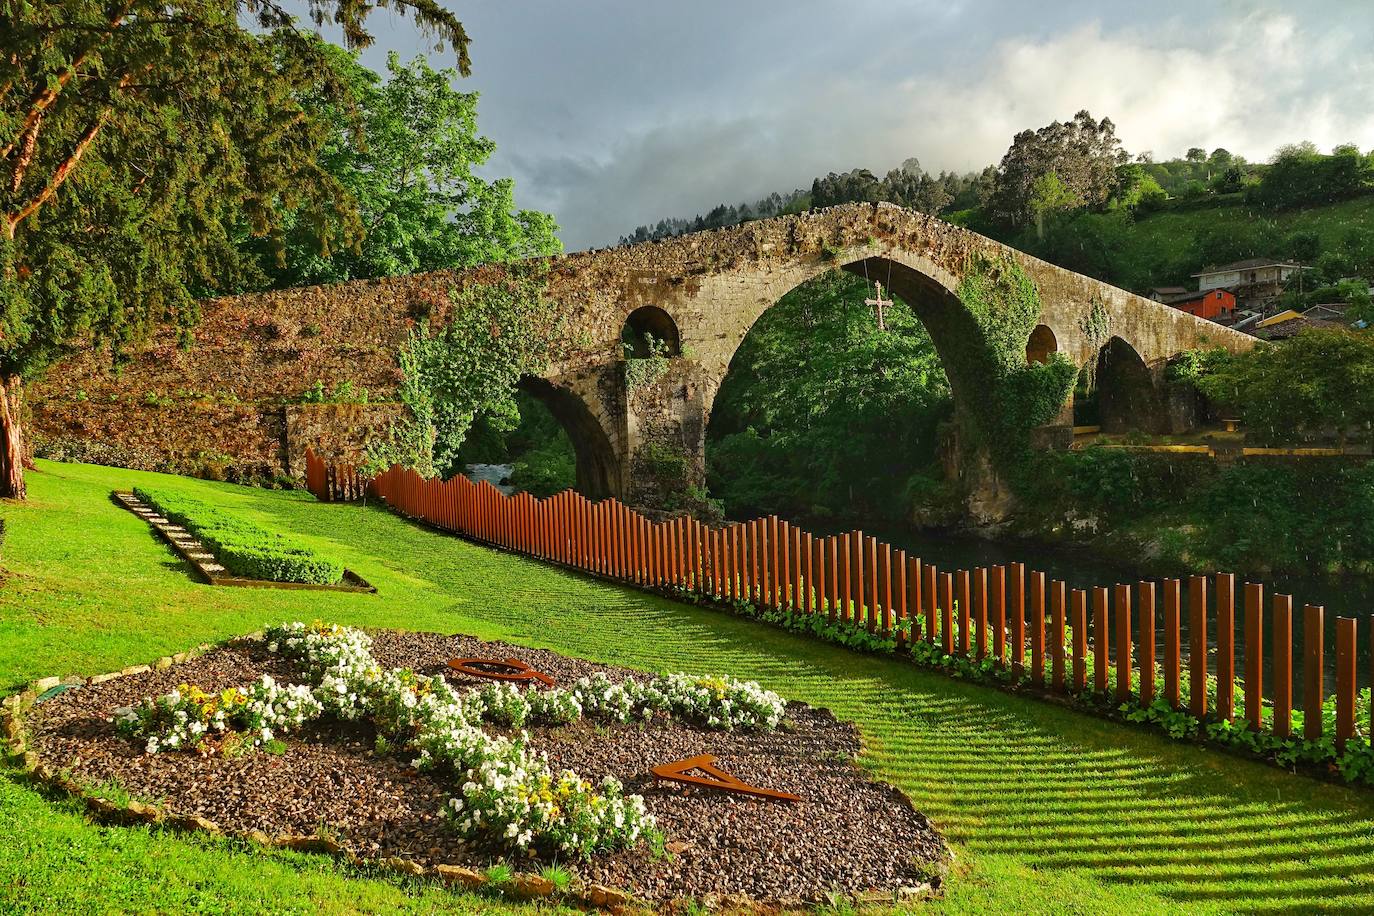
{"x":1047,"y":810}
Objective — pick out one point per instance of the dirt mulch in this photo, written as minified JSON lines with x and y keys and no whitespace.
{"x":849,"y":834}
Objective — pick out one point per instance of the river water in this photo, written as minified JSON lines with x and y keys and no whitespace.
{"x":498,"y":475}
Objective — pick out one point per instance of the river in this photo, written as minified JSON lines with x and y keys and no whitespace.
{"x":498,"y":475}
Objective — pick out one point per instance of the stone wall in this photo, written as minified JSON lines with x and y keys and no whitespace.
{"x":337,"y":432}
{"x":239,"y":442}
{"x":219,"y":405}
{"x":220,"y":441}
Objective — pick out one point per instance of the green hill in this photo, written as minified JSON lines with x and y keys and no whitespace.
{"x":1167,"y":246}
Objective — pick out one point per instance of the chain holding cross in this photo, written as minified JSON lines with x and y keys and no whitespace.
{"x":879,"y":304}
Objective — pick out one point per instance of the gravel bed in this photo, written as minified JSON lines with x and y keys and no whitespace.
{"x":849,"y":834}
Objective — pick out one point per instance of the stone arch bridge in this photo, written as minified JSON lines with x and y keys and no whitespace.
{"x":700,"y":292}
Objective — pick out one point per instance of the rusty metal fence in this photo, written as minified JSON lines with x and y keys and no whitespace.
{"x":1013,"y":618}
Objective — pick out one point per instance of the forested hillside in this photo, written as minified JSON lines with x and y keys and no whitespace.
{"x":1071,"y":194}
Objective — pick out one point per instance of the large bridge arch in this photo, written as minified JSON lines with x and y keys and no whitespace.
{"x":920,"y":284}
{"x":715,"y":307}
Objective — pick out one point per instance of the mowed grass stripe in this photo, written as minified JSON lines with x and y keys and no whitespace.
{"x":1049,"y":810}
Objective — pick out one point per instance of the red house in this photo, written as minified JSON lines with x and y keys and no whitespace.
{"x":1214,"y":304}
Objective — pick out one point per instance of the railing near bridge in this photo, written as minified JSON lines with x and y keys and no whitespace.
{"x":1007,"y":618}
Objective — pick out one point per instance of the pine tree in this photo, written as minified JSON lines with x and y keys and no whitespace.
{"x":136,"y":138}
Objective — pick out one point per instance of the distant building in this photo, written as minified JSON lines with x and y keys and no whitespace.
{"x":1217,"y":305}
{"x":1290,"y":322}
{"x":1256,"y":282}
{"x":1165,"y":293}
{"x":1338,"y":312}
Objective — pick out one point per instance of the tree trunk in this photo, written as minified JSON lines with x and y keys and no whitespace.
{"x":11,"y":438}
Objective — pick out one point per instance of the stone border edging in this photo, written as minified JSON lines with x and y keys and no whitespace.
{"x":204,"y":561}
{"x":13,"y":709}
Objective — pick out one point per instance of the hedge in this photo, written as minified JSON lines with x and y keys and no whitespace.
{"x":245,"y":549}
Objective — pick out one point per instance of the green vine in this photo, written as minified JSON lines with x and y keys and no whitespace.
{"x":499,"y":333}
{"x":1097,"y":328}
{"x":344,"y":392}
{"x":409,"y":439}
{"x":1014,"y":397}
{"x":643,"y":371}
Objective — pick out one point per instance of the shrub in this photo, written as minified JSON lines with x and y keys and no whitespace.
{"x":244,"y":548}
{"x":1315,"y":381}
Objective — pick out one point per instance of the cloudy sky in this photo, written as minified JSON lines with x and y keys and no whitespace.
{"x":613,"y":113}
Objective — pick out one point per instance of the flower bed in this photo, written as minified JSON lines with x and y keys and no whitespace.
{"x":189,"y":717}
{"x":247,"y":550}
{"x":411,"y":761}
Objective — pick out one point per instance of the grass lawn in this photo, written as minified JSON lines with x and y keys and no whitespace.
{"x":1048,"y":810}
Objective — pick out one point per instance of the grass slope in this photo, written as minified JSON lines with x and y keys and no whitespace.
{"x":1050,"y":811}
{"x":1169,"y":237}
{"x":1167,"y":246}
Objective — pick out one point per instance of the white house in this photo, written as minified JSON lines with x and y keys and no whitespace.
{"x":1255,"y":281}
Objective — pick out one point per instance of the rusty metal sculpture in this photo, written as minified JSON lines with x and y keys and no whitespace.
{"x":715,"y":778}
{"x":512,"y":669}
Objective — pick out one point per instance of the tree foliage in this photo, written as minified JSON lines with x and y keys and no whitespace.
{"x":1083,"y":154}
{"x":497,"y":333}
{"x":405,"y":150}
{"x":136,"y":138}
{"x":1294,"y":515}
{"x":1299,"y":175}
{"x":533,"y":442}
{"x":1318,"y":380}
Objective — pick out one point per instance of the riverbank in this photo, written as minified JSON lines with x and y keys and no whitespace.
{"x":1176,"y":513}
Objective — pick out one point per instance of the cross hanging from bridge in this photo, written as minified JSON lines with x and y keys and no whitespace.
{"x":879,"y":304}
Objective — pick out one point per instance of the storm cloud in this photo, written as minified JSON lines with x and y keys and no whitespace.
{"x":613,"y":113}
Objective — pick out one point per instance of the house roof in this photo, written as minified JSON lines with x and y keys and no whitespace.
{"x":1247,"y":264}
{"x":1168,"y":290}
{"x":1285,"y":315}
{"x":1332,"y":311}
{"x":1336,"y":313}
{"x":1292,"y":326}
{"x":1192,"y":296}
